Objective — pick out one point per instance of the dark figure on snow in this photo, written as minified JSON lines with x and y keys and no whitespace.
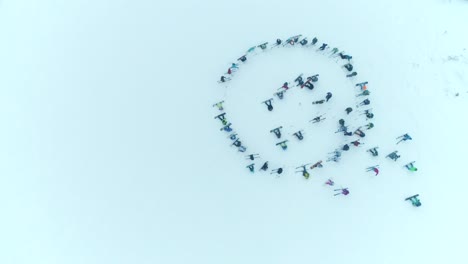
{"x":329,"y":95}
{"x":303,"y":42}
{"x":365,"y":102}
{"x":348,"y":66}
{"x":324,"y":45}
{"x":410,"y":166}
{"x":405,"y":137}
{"x":243,"y":58}
{"x":374,"y":152}
{"x":394,"y":156}
{"x":269,"y":105}
{"x":351,"y":74}
{"x":278,"y":171}
{"x":319,"y":102}
{"x":345,"y":147}
{"x":278,"y":41}
{"x":285,"y":86}
{"x":359,"y":133}
{"x":309,"y":85}
{"x":314,"y":41}
{"x":348,"y":110}
{"x":345,"y":57}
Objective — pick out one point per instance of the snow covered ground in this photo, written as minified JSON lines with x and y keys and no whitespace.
{"x":109,"y":152}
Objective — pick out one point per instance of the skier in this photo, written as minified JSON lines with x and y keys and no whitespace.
{"x":405,"y":137}
{"x":359,"y":133}
{"x":369,"y":126}
{"x":351,"y":74}
{"x":237,"y":143}
{"x":356,"y":143}
{"x":285,"y":86}
{"x":314,"y":41}
{"x":368,"y":114}
{"x":365,"y":102}
{"x":345,"y":57}
{"x":308,"y":84}
{"x":362,"y":85}
{"x":252,"y":156}
{"x":229,"y":71}
{"x":268,"y":104}
{"x":374,"y":151}
{"x":243,"y":58}
{"x":333,"y":51}
{"x":319,"y":102}
{"x":329,"y":95}
{"x":313,"y":78}
{"x":394,"y":156}
{"x":343,"y":191}
{"x":227,"y":128}
{"x":299,"y":135}
{"x":410,"y":166}
{"x":299,"y":80}
{"x":348,"y":110}
{"x":278,"y":42}
{"x":414,"y":200}
{"x":318,"y":164}
{"x":263,"y":46}
{"x":282,"y":144}
{"x":374,"y":169}
{"x":250,"y":167}
{"x":317,"y":119}
{"x":303,"y":42}
{"x":336,"y":156}
{"x":224,"y":79}
{"x":345,"y":147}
{"x":222,"y":118}
{"x":330,"y":182}
{"x":296,"y":38}
{"x":341,"y":122}
{"x":278,"y":171}
{"x":234,"y":66}
{"x":219,"y":105}
{"x":365,"y":93}
{"x":264,"y":166}
{"x":324,"y":45}
{"x":280,"y":94}
{"x":348,"y":66}
{"x":277,"y":131}
{"x":304,"y":171}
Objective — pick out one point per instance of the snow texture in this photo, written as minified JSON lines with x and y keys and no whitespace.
{"x":109,"y":152}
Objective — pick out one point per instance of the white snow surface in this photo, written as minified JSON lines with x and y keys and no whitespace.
{"x":109,"y":152}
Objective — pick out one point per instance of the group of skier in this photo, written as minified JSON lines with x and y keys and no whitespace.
{"x":309,"y":83}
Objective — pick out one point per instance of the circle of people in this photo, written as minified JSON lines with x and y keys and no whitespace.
{"x":334,"y":156}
